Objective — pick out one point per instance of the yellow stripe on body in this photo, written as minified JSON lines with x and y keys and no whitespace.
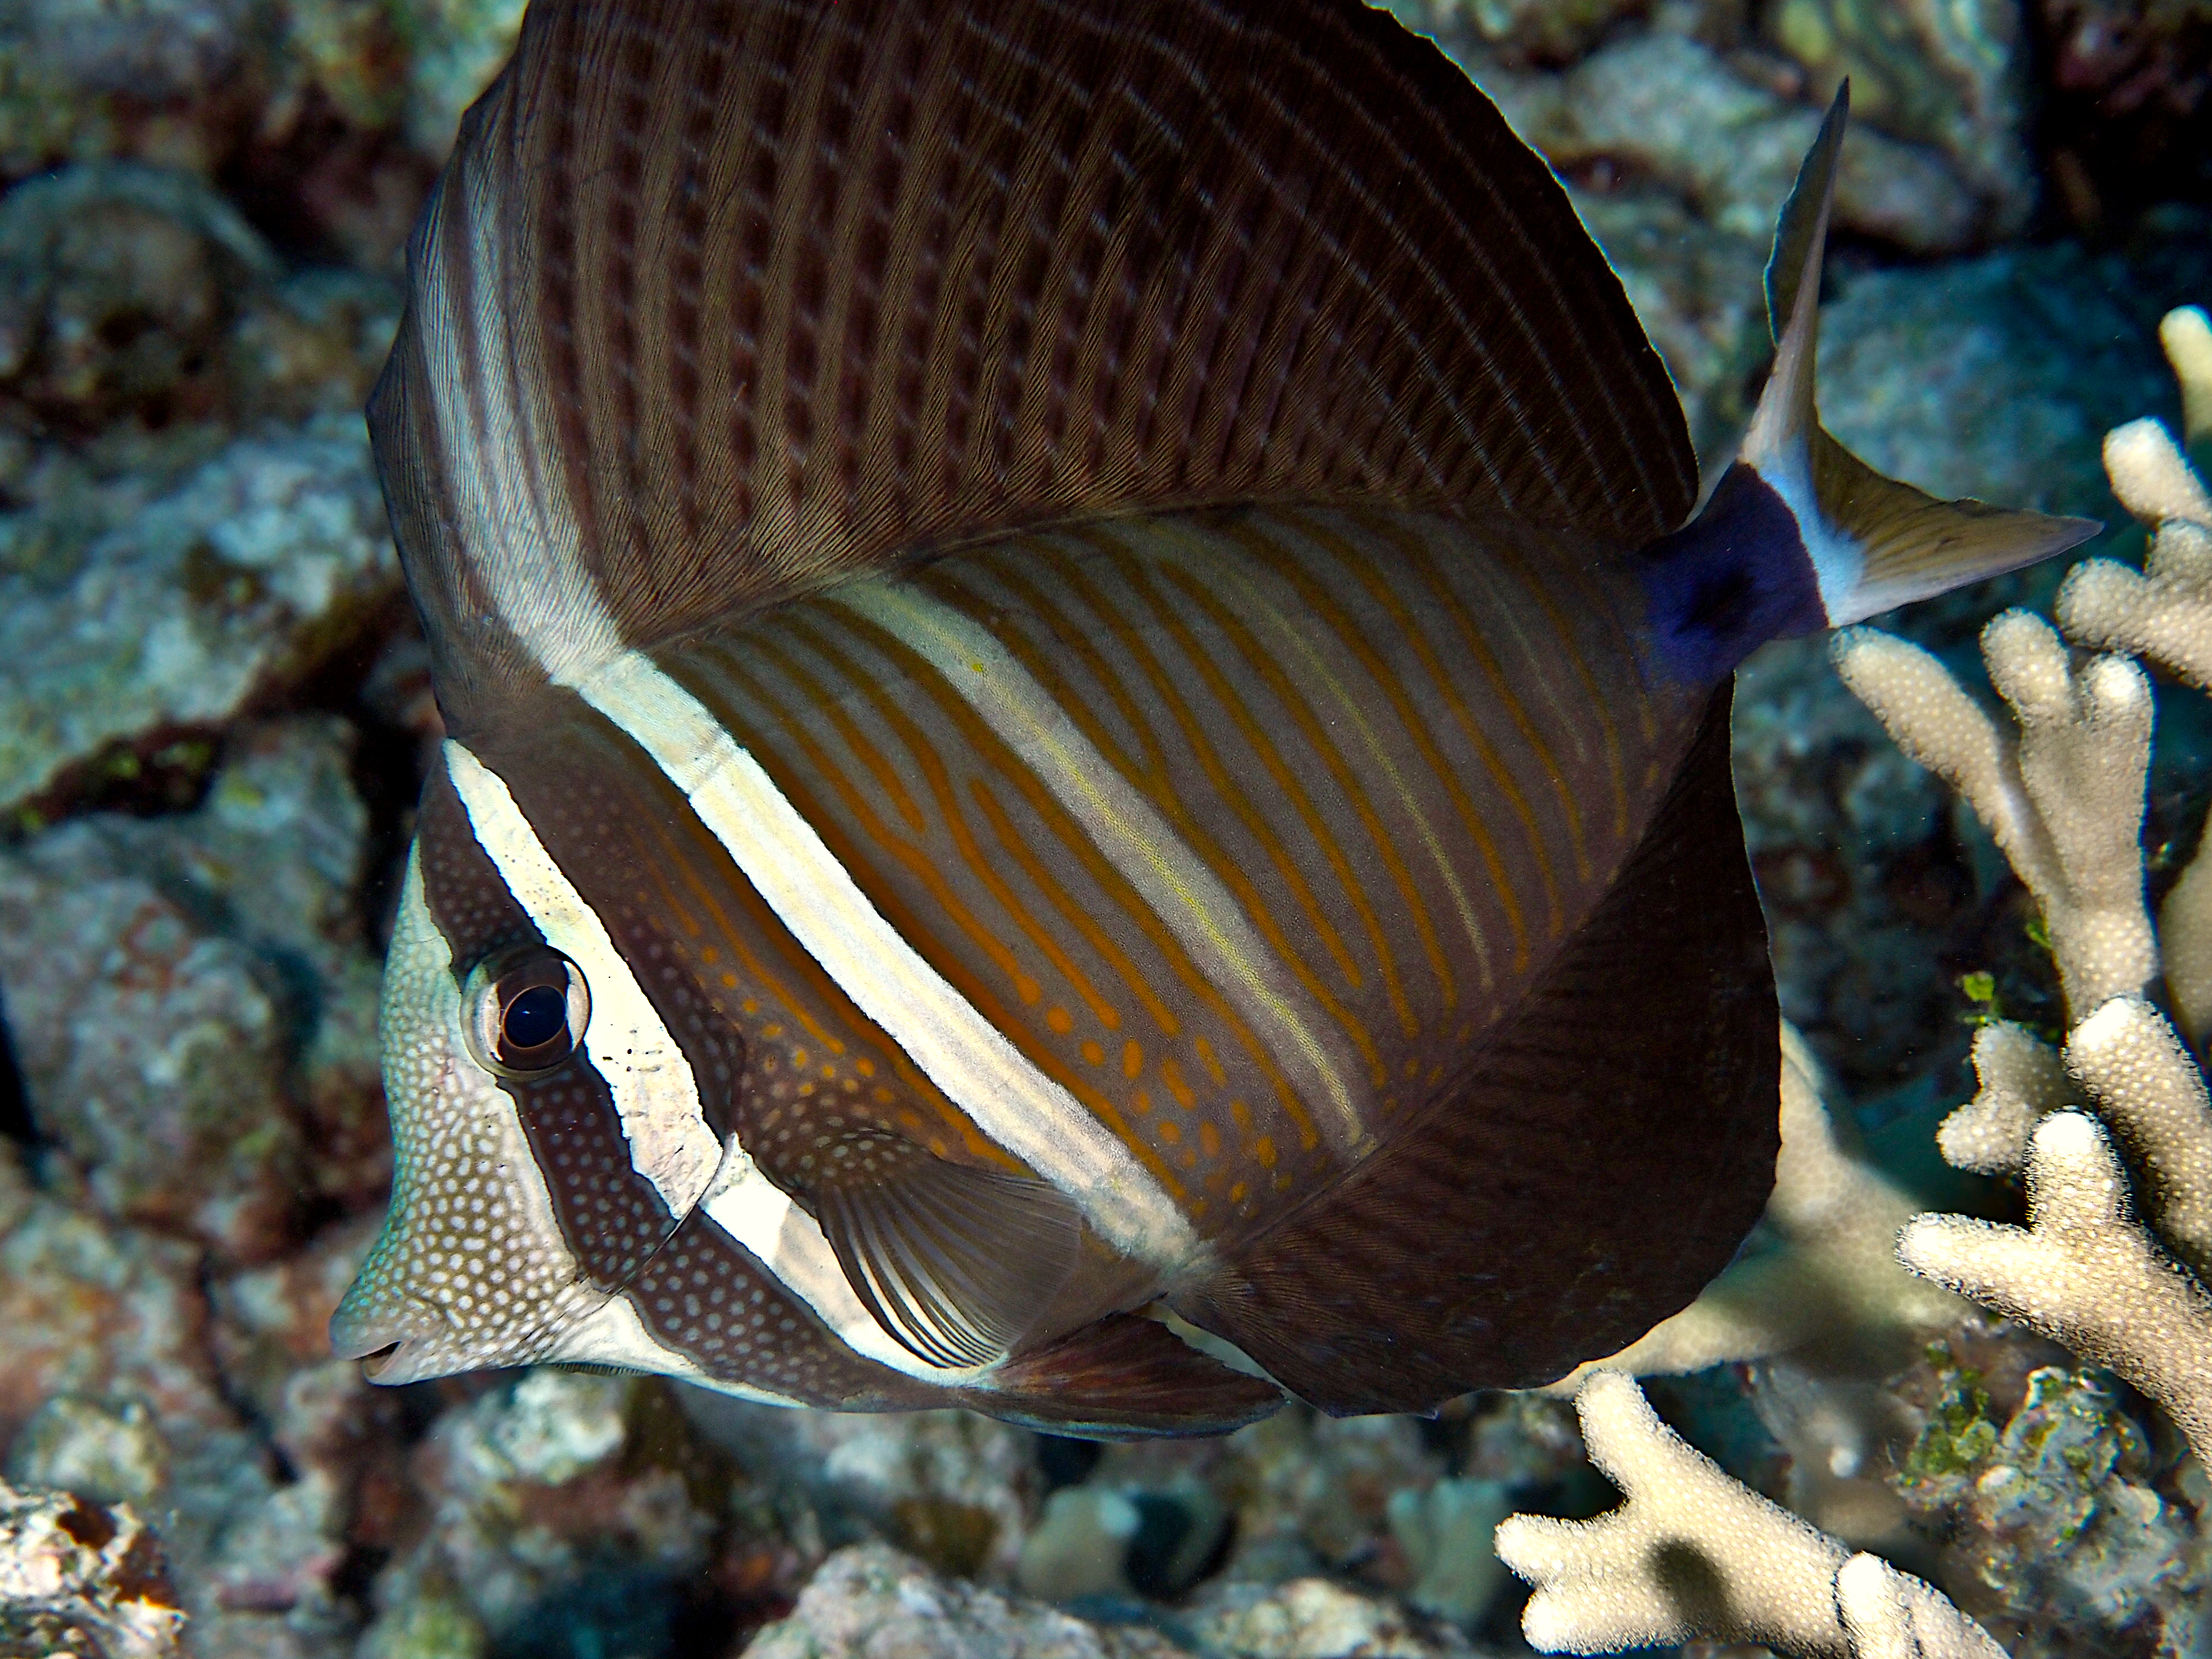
{"x":1279,"y":770}
{"x":1299,"y":646}
{"x":1269,"y":671}
{"x":1187,"y":897}
{"x":917,"y":861}
{"x":1324,"y":606}
{"x":1413,"y":546}
{"x":1379,"y":588}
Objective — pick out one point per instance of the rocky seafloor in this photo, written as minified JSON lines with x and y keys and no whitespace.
{"x":213,"y":711}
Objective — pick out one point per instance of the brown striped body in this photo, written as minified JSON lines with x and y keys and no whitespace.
{"x":1380,"y":740}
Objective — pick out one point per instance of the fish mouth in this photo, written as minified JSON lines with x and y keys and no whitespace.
{"x":374,"y":1342}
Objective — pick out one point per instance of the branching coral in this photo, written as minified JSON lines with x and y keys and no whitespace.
{"x":2120,"y":1276}
{"x":1694,"y":1553}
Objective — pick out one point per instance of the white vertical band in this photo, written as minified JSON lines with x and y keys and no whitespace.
{"x":963,"y":1053}
{"x":654,"y":1092}
{"x":1190,"y":901}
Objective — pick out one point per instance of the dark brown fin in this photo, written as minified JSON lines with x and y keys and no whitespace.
{"x":1612,"y":1145}
{"x":717,"y":301}
{"x":1875,"y":543}
{"x":955,"y":1263}
{"x":1124,"y":1378}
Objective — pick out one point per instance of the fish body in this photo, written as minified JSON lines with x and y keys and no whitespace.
{"x":1077,"y":689}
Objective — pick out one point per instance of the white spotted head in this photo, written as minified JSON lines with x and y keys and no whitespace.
{"x":471,"y":1269}
{"x":548,"y":1131}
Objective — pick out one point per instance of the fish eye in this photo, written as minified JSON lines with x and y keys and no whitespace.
{"x":523,"y":1012}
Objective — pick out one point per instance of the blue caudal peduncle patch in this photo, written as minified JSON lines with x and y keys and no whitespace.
{"x":1735,"y":577}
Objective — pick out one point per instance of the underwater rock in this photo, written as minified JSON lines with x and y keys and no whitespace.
{"x":152,"y":1054}
{"x":104,"y":1313}
{"x":1996,"y":377}
{"x":1314,"y":1619}
{"x":1520,"y":31}
{"x":1080,"y":1547}
{"x":116,"y":284}
{"x":1445,"y":1532}
{"x":1662,"y":106}
{"x":1874,"y":905}
{"x":85,"y":78}
{"x":172,"y":986}
{"x":1695,"y":285}
{"x":2127,"y":105}
{"x":272,"y":1324}
{"x":872,"y":1602}
{"x":458,"y":45}
{"x":1119,"y":1543}
{"x":1951,"y":74}
{"x":81,"y":1578}
{"x":565,"y":1513}
{"x":1309,"y":1494}
{"x":328,"y":117}
{"x":110,"y":1455}
{"x":243,"y":579}
{"x":2064,"y":1529}
{"x":958,"y":1490}
{"x":414,"y":64}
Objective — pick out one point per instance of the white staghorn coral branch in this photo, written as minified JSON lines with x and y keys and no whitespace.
{"x":2084,"y":1272}
{"x":2064,"y":802}
{"x":1694,"y":1553}
{"x":2184,"y":940}
{"x":2151,"y":476}
{"x":2145,"y":1084}
{"x":2186,"y":334}
{"x":2022,"y":1079}
{"x":2165,"y":613}
{"x":1894,"y":1616}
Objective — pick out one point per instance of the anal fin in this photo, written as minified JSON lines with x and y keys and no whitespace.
{"x":1606,"y":1149}
{"x":1124,"y":1378}
{"x":955,"y":1263}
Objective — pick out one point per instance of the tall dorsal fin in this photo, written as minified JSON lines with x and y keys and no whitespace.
{"x":721,"y":300}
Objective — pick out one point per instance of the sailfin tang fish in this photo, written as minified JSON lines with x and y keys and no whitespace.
{"x":1087,"y":766}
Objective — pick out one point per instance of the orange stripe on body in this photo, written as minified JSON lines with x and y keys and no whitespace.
{"x":901,"y":916}
{"x":1285,"y":779}
{"x":1309,"y":725}
{"x":1154,"y":784}
{"x":987,"y":743}
{"x":1323,"y":606}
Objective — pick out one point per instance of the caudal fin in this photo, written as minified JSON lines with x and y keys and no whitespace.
{"x":1801,"y":533}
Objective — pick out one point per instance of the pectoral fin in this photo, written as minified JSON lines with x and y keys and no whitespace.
{"x":955,"y":1262}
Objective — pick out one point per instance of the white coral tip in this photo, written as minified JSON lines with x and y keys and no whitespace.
{"x":2186,"y":334}
{"x":2150,"y":474}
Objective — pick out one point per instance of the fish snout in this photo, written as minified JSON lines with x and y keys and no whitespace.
{"x":388,"y":1340}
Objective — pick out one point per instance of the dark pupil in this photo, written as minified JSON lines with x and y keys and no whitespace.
{"x":535,"y":1018}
